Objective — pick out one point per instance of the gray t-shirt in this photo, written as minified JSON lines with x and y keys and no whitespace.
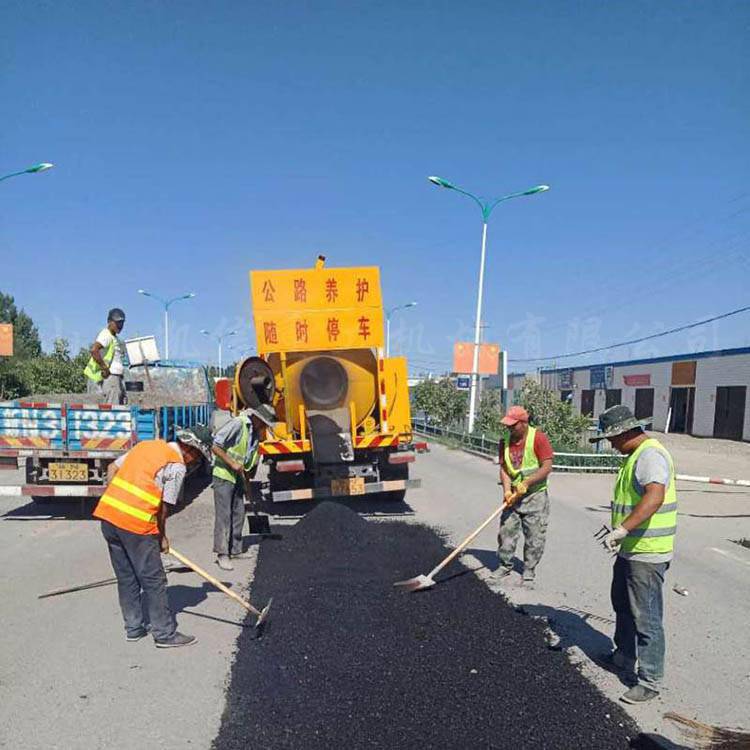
{"x":228,"y":435}
{"x":651,"y":467}
{"x":168,"y":479}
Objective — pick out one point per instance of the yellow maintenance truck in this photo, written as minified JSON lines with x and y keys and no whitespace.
{"x":342,"y":407}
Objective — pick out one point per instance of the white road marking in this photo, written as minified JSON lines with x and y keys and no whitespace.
{"x":730,"y":555}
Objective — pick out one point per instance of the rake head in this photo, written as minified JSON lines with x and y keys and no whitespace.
{"x":418,"y":583}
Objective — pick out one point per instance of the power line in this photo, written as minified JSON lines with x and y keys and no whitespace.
{"x":638,"y":340}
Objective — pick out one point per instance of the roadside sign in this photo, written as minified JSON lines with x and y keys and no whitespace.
{"x":463,"y":358}
{"x":6,"y":339}
{"x":315,"y":309}
{"x":463,"y":383}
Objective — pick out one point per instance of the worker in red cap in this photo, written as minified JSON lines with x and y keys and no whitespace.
{"x":525,"y":463}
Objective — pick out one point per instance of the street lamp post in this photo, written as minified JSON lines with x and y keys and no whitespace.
{"x":43,"y":167}
{"x":388,"y":314}
{"x":486,"y":207}
{"x":220,"y":338}
{"x":166,"y":303}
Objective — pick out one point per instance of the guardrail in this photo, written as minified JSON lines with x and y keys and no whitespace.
{"x":486,"y":445}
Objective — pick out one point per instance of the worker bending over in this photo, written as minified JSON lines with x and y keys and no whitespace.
{"x":143,"y":485}
{"x":235,"y":448}
{"x":644,"y":522}
{"x":104,"y":370}
{"x":525,"y":464}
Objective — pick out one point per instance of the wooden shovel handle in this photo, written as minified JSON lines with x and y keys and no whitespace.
{"x":473,"y":534}
{"x":213,"y":581}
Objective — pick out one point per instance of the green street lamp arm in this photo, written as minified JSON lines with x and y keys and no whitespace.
{"x":486,"y":207}
{"x":531,"y":191}
{"x":42,"y":167}
{"x":167,"y":303}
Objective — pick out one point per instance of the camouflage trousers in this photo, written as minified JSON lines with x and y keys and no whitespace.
{"x":532,"y":516}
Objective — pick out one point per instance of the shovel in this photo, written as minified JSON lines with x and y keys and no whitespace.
{"x":256,"y":523}
{"x":419,"y":583}
{"x":262,"y":615}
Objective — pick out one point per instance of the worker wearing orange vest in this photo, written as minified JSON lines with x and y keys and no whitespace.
{"x":143,"y":484}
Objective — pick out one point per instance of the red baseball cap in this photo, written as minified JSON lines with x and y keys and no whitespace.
{"x":515,"y":414}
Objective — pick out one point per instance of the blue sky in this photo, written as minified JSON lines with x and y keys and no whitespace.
{"x":195,"y":141}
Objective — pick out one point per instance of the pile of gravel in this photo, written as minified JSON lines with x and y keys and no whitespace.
{"x":347,"y":661}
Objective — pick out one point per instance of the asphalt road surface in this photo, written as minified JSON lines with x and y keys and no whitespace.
{"x":70,"y":680}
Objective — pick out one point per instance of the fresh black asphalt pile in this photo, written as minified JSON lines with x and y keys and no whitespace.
{"x":347,"y":661}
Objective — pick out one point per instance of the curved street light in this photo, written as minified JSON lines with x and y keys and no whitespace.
{"x":41,"y":167}
{"x":388,"y":314}
{"x":486,"y":207}
{"x":220,"y":338}
{"x":166,"y":303}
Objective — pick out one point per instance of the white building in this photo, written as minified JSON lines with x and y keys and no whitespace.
{"x":702,"y":394}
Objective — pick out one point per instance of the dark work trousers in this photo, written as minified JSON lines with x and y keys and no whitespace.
{"x":639,"y":613}
{"x":136,"y":560}
{"x":229,"y":516}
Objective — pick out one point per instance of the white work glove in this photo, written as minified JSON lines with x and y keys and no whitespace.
{"x":614,"y":538}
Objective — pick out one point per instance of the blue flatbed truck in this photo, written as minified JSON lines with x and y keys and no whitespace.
{"x":66,"y":444}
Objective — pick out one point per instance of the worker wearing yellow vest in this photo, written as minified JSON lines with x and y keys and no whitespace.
{"x":104,"y":370}
{"x":143,"y":485}
{"x":235,"y":449}
{"x":644,"y":521}
{"x":525,"y":463}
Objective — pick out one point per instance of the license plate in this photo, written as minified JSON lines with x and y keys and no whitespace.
{"x":68,"y":472}
{"x":350,"y":486}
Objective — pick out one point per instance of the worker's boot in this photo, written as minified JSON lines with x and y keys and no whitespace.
{"x":503,"y":571}
{"x":177,"y":640}
{"x":224,"y":562}
{"x":242,"y":555}
{"x":529,"y":579}
{"x":136,"y":635}
{"x":639,"y":694}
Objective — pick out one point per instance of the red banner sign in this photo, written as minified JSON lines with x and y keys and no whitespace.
{"x":644,"y":379}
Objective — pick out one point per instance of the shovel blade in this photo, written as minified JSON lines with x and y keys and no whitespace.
{"x":263,"y":617}
{"x":258,"y":524}
{"x":418,"y":583}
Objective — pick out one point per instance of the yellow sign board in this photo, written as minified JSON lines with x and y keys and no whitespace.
{"x":317,"y":309}
{"x":6,"y":339}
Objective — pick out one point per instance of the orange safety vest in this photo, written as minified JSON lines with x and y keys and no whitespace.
{"x":132,"y":499}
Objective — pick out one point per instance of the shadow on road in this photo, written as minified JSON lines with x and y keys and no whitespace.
{"x":489,"y":559}
{"x":53,"y":510}
{"x":368,"y":506}
{"x":182,"y":597}
{"x":572,"y":627}
{"x":81,"y":509}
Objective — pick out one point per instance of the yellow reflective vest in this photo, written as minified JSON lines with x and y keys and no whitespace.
{"x":93,"y":371}
{"x":655,"y":535}
{"x":529,"y":463}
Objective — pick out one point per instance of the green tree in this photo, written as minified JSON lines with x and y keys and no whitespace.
{"x":57,"y":372}
{"x":565,"y":428}
{"x":489,"y":414}
{"x":26,"y":342}
{"x":440,"y":400}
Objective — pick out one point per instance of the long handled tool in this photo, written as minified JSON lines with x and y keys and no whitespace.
{"x":98,"y":584}
{"x":418,"y":583}
{"x":262,"y":615}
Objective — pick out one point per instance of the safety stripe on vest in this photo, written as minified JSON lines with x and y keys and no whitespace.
{"x":641,"y":533}
{"x":147,"y":497}
{"x":129,"y":509}
{"x":627,"y":509}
